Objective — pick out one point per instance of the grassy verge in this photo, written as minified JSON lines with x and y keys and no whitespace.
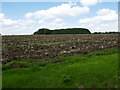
{"x":94,"y":70}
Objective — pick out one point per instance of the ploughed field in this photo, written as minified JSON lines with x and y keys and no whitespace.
{"x":43,"y":47}
{"x":60,"y":61}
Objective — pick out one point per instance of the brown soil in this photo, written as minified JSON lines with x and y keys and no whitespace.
{"x":48,"y":46}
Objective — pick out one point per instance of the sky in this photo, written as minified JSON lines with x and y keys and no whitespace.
{"x":21,"y":18}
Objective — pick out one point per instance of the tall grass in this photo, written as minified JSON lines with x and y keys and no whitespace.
{"x":94,"y":70}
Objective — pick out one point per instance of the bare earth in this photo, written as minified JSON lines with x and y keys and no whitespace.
{"x":48,"y":46}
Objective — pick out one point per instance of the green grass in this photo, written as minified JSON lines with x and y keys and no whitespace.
{"x":14,"y":64}
{"x":94,"y":70}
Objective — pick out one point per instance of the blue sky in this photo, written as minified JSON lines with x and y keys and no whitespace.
{"x":16,"y":10}
{"x":15,"y":13}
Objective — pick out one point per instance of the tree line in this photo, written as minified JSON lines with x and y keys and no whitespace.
{"x":106,"y":33}
{"x":63,"y":31}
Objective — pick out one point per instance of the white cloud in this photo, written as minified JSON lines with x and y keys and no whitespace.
{"x":105,"y":11}
{"x":10,"y":27}
{"x":58,"y":20}
{"x":28,"y":15}
{"x":61,"y":11}
{"x":8,"y":22}
{"x":1,"y":16}
{"x":27,"y":26}
{"x":106,"y":20}
{"x":102,"y":27}
{"x":89,"y":2}
{"x":103,"y":15}
{"x":41,"y":21}
{"x":55,"y":24}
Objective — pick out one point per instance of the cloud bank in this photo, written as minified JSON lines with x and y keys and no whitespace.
{"x":105,"y":20}
{"x":64,"y":10}
{"x":54,"y":18}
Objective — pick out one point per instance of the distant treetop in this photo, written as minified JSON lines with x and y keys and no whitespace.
{"x":106,"y":33}
{"x":63,"y":31}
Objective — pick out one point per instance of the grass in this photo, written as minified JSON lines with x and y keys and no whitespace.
{"x":14,"y":64}
{"x":94,"y":70}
